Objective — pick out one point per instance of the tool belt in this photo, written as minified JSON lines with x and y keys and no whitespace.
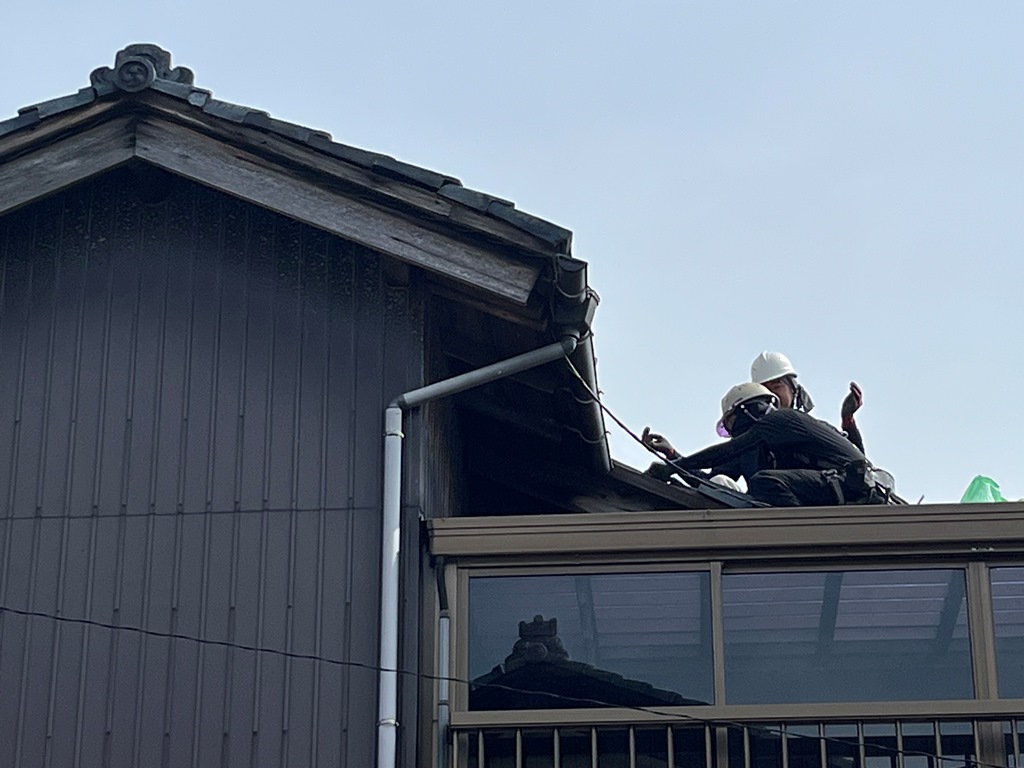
{"x":860,"y":483}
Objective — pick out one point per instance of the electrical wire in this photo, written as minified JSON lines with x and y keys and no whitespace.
{"x":232,"y":645}
{"x":676,"y":716}
{"x":594,"y":398}
{"x":584,"y":439}
{"x":704,"y":485}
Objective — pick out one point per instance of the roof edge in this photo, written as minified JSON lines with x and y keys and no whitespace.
{"x":145,"y":66}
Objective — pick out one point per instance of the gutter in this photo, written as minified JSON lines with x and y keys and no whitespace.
{"x":583,"y":360}
{"x":574,"y":307}
{"x":387,"y":713}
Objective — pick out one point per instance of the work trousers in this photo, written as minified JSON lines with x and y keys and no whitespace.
{"x":796,"y":488}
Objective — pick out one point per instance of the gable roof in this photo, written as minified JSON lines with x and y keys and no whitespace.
{"x":144,"y":109}
{"x":498,"y":259}
{"x":141,"y":67}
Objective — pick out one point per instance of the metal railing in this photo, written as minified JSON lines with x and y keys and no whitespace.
{"x":946,"y":743}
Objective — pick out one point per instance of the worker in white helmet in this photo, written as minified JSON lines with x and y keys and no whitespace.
{"x":787,"y":457}
{"x":776,"y":372}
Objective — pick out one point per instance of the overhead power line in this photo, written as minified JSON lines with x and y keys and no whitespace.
{"x":584,"y":701}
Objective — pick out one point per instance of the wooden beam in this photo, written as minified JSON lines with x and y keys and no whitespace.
{"x":252,"y":178}
{"x":65,"y":162}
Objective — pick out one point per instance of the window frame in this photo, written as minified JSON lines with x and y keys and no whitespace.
{"x":841,"y":567}
{"x":463,"y":574}
{"x":972,"y":539}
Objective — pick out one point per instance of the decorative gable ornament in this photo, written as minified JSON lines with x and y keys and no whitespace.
{"x":137,"y":67}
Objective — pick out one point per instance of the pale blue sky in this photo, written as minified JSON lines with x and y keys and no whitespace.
{"x":842,"y":182}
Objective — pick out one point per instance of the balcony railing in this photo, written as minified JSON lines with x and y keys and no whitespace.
{"x":939,"y":743}
{"x":820,"y":638}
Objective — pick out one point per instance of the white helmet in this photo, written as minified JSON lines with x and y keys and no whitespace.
{"x":743,"y":393}
{"x":728,"y":482}
{"x":769,"y":366}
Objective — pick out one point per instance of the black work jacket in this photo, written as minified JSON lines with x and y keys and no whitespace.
{"x":783,"y":439}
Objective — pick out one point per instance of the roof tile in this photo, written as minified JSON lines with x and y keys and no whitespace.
{"x":550,"y":233}
{"x":62,"y":104}
{"x":233,"y":112}
{"x":25,"y":118}
{"x":294,"y":131}
{"x":195,"y":96}
{"x":361,"y":157}
{"x":424,"y":177}
{"x":479,"y":201}
{"x":198,"y":97}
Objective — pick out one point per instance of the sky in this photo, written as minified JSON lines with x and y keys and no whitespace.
{"x":840,"y":182}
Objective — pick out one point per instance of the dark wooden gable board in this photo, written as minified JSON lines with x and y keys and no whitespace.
{"x":33,"y":172}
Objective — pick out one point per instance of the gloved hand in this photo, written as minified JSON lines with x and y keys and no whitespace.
{"x":660,"y":471}
{"x":658,"y":443}
{"x":851,"y":403}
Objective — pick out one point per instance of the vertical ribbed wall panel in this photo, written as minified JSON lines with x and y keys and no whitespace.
{"x":191,"y":395}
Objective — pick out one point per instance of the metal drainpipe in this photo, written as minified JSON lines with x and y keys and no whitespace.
{"x":443,"y":666}
{"x":443,"y":708}
{"x":387,"y":713}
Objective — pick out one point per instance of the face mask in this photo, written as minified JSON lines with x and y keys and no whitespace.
{"x":751,"y":412}
{"x":801,"y":400}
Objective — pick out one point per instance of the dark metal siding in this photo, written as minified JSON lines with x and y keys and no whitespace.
{"x":190,"y":438}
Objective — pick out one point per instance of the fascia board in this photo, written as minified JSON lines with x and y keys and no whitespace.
{"x":65,"y":162}
{"x":53,"y":127}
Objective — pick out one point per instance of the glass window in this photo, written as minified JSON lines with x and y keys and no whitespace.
{"x":609,"y":639}
{"x":1008,"y":613}
{"x":846,"y":636}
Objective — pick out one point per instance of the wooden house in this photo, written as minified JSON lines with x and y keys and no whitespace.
{"x":302,"y":465}
{"x":204,"y":312}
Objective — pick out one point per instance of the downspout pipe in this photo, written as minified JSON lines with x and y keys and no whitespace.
{"x":391,"y":532}
{"x":444,"y":621}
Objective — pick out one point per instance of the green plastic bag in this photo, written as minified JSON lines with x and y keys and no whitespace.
{"x":982,"y":489}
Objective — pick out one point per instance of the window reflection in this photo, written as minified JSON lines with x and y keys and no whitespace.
{"x":611,"y":639}
{"x":846,"y":636}
{"x":1008,"y":613}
